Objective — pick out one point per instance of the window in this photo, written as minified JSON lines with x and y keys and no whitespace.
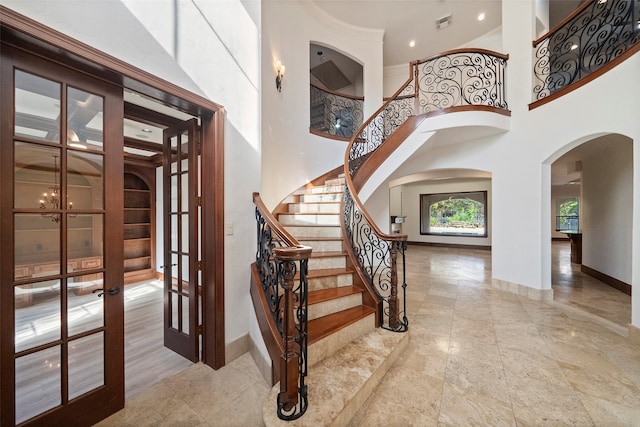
{"x":567,"y":214}
{"x":454,"y":214}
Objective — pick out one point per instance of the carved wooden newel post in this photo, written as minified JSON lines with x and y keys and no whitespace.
{"x":394,"y":320}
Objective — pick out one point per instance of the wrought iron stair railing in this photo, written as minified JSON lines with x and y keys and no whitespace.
{"x":279,"y":292}
{"x":334,"y":114}
{"x":458,"y":80}
{"x":597,"y":35}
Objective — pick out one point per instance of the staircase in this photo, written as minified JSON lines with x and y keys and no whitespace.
{"x":347,"y":354}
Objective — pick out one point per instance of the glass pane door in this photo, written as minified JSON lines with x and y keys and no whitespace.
{"x":61,"y":299}
{"x":181,"y":254}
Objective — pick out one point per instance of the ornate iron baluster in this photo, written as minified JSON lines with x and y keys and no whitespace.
{"x":335,"y":114}
{"x":597,"y":33}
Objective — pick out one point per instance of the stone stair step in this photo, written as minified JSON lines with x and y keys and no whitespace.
{"x":322,"y":244}
{"x":315,"y":207}
{"x":323,"y":302}
{"x":342,"y":382}
{"x":325,"y":260}
{"x":321,"y":189}
{"x":328,"y":197}
{"x":306,"y":232}
{"x":329,"y":278}
{"x":309,"y":218}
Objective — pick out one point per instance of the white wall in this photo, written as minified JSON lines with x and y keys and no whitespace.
{"x":217,"y":55}
{"x":294,"y":155}
{"x":607,"y":211}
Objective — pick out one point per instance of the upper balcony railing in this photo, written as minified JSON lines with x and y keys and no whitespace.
{"x":593,"y":36}
{"x":335,"y":114}
{"x":459,"y":78}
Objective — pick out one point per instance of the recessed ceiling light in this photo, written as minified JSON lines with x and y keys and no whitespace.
{"x":481,"y":17}
{"x":412,"y":43}
{"x":147,"y":130}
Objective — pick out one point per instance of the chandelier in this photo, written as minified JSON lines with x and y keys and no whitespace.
{"x":51,"y":200}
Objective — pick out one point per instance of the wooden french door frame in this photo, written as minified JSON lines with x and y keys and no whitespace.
{"x":181,"y":269}
{"x":108,"y":395}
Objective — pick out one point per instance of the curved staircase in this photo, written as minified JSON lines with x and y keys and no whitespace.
{"x":347,"y":354}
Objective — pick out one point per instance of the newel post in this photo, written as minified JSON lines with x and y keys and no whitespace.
{"x":293,"y":393}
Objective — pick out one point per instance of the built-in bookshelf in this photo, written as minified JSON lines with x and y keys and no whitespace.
{"x":138,"y":228}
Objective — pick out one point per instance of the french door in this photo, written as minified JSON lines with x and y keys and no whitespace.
{"x":61,"y":251}
{"x":182,"y":275}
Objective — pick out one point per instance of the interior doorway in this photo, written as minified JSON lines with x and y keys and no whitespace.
{"x":66,"y":256}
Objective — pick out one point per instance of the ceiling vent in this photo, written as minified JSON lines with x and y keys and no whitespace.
{"x":330,"y":75}
{"x":443,"y":22}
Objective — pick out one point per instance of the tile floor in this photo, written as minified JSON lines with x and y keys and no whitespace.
{"x":477,"y":356}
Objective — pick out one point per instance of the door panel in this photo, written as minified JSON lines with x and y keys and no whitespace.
{"x":181,"y":252}
{"x":62,"y":345}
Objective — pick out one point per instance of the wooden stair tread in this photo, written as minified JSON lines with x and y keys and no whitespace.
{"x":326,"y":325}
{"x":308,"y":213}
{"x":322,"y":295}
{"x":320,"y":239}
{"x":326,"y":272}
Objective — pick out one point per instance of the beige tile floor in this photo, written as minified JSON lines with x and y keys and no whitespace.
{"x":477,"y":356}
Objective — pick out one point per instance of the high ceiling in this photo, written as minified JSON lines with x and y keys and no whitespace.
{"x":407,"y":20}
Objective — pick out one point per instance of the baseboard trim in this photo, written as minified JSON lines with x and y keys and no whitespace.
{"x":607,"y":280}
{"x":543,"y":295}
{"x":263,"y":364}
{"x":450,"y":245}
{"x":236,"y":348}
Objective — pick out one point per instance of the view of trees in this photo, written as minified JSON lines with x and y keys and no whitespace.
{"x":454,"y":213}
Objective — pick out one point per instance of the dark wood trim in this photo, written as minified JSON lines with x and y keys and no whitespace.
{"x":142,"y":145}
{"x":583,"y":81}
{"x":607,"y":280}
{"x":450,"y":245}
{"x":213,"y":239}
{"x":378,"y":157}
{"x":148,"y":117}
{"x":504,"y":56}
{"x":562,"y":23}
{"x":329,"y":136}
{"x":560,"y":239}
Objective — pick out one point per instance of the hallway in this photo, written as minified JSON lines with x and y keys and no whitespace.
{"x":477,"y":356}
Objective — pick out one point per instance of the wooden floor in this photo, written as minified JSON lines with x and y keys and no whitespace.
{"x":147,"y":361}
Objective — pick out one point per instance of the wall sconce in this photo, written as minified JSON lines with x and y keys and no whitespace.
{"x":279,"y":75}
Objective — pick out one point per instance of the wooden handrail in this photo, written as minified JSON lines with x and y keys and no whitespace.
{"x":562,"y":23}
{"x":504,"y":56}
{"x":284,"y":236}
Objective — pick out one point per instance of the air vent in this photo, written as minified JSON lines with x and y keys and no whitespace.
{"x":443,"y":22}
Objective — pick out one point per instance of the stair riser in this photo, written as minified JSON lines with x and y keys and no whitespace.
{"x":327,"y":262}
{"x":337,"y":181}
{"x":315,"y":207}
{"x":336,"y":188}
{"x":302,"y":233}
{"x":309,"y":219}
{"x":318,"y":198}
{"x":333,"y":306}
{"x":334,"y":342}
{"x":323,"y":245}
{"x":328,"y":282}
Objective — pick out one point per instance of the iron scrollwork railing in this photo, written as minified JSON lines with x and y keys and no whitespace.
{"x":377,"y":257}
{"x":282,"y":266}
{"x":335,"y":113}
{"x":598,"y":32}
{"x":460,"y":78}
{"x":375,"y":253}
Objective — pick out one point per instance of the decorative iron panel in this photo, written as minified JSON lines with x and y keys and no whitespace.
{"x":459,"y":79}
{"x":599,"y":33}
{"x":335,"y":114}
